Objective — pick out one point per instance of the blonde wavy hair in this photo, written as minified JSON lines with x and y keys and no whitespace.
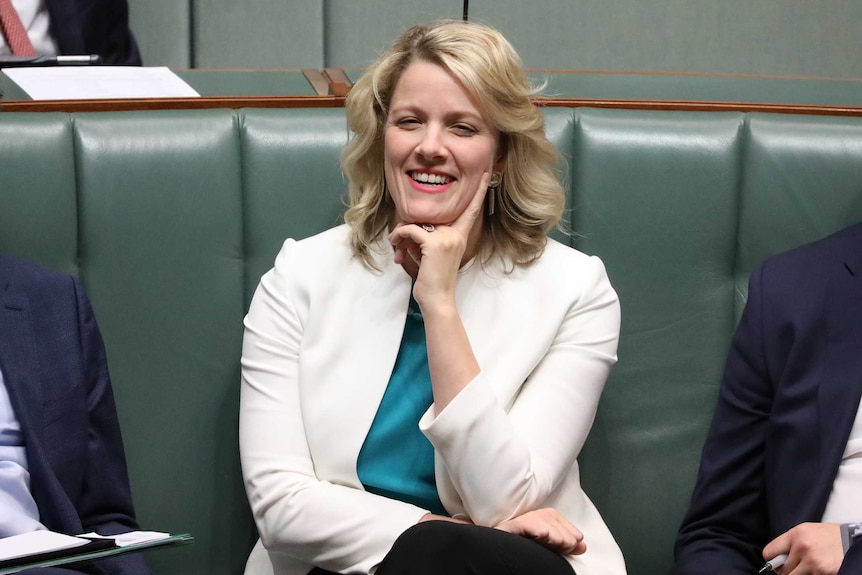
{"x":529,"y":200}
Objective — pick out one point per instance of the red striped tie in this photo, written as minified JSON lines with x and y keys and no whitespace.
{"x":13,"y":30}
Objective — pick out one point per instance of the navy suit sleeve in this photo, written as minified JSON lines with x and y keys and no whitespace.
{"x":105,"y":504}
{"x":94,"y":27}
{"x":120,"y":47}
{"x":727,"y":523}
{"x":852,"y":564}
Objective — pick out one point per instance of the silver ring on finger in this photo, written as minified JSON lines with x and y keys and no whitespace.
{"x":427,"y":227}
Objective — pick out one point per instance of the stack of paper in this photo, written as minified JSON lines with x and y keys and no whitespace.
{"x":37,"y":542}
{"x":130,"y":538}
{"x":99,"y":82}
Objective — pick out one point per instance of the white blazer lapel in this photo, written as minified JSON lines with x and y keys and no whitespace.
{"x":345,"y":371}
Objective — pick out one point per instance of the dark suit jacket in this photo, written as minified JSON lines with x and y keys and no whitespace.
{"x":55,"y":370}
{"x":94,"y":27}
{"x":787,"y":402}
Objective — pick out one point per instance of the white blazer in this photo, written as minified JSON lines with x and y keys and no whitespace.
{"x":321,"y":338}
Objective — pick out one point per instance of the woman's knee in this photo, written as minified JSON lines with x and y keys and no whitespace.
{"x":430,"y":547}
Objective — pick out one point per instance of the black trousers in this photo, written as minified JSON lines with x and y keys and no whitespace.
{"x":446,"y":548}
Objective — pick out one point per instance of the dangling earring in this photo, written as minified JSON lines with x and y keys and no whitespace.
{"x":493,"y":184}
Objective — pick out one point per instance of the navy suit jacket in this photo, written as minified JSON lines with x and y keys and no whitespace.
{"x":787,"y":403}
{"x":54,"y":366}
{"x":94,"y":27}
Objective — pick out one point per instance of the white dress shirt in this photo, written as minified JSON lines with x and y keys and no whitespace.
{"x":35,"y":18}
{"x":845,"y":501}
{"x":18,"y":511}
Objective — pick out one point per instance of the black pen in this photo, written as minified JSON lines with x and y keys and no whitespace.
{"x":28,"y":61}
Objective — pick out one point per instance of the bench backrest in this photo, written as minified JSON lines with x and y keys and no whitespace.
{"x":170,"y":218}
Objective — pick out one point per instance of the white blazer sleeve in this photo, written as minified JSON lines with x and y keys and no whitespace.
{"x":506,"y":459}
{"x":341,"y":528}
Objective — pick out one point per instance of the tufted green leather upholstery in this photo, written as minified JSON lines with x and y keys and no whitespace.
{"x":657,"y":197}
{"x":171,"y":217}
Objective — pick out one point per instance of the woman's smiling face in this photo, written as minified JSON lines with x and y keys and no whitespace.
{"x":437,"y":146}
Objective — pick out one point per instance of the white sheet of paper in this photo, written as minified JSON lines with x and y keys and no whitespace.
{"x":36,"y":542}
{"x":130,"y":538}
{"x":99,"y":82}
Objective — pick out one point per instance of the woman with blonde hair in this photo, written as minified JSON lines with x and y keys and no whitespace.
{"x":418,"y":382}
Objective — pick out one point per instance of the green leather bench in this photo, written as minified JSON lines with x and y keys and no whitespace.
{"x":171,"y":217}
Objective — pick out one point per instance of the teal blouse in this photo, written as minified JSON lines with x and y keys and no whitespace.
{"x":397,"y":460}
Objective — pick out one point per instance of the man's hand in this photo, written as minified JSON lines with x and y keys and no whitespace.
{"x":812,"y":549}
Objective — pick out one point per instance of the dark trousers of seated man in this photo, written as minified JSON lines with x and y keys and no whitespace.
{"x":445,"y":548}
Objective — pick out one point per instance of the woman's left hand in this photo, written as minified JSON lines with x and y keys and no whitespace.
{"x":549,"y":528}
{"x":439,"y":253}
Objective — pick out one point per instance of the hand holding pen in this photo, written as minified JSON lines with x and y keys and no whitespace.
{"x":774,"y":563}
{"x":806,"y":549}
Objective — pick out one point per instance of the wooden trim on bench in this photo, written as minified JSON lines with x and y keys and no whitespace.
{"x":116,"y":105}
{"x":317,"y":80}
{"x":339,"y":83}
{"x":337,"y":101}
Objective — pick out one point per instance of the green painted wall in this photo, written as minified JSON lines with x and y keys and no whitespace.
{"x":784,"y":37}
